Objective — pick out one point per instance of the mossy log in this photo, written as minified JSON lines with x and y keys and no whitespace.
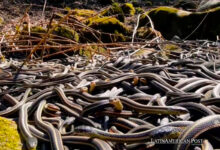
{"x":193,"y":25}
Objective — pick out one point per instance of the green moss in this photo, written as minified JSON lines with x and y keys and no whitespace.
{"x":108,"y":24}
{"x":9,"y":137}
{"x":66,"y":32}
{"x":128,"y":8}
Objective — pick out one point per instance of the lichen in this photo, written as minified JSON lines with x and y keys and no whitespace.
{"x":128,"y":8}
{"x":9,"y":136}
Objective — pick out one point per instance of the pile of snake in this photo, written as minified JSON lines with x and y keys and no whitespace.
{"x":119,"y":103}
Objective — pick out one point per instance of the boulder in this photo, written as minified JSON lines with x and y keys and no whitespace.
{"x":128,"y":8}
{"x":108,"y":24}
{"x":191,"y":25}
{"x":185,"y":4}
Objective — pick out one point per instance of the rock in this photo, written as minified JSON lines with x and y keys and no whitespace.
{"x":9,"y":136}
{"x":113,"y":30}
{"x":84,"y":12}
{"x":61,"y":30}
{"x":185,"y":4}
{"x":128,"y":8}
{"x":67,"y":32}
{"x":115,"y":10}
{"x":171,"y":21}
{"x":208,"y":4}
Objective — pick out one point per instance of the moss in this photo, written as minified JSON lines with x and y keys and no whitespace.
{"x":128,"y":8}
{"x":84,"y":12}
{"x":115,"y":10}
{"x":38,"y":29}
{"x":148,"y":3}
{"x":66,"y":32}
{"x":1,"y":20}
{"x":109,"y":25}
{"x":89,"y":51}
{"x":9,"y":137}
{"x":139,"y":10}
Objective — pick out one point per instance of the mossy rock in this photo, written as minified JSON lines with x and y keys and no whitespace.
{"x":109,"y":25}
{"x":114,"y":10}
{"x":61,"y":30}
{"x":67,"y":32}
{"x":208,"y":4}
{"x":112,"y":30}
{"x":128,"y":8}
{"x":171,"y":21}
{"x":9,"y":136}
{"x":185,"y":4}
{"x":38,"y":29}
{"x":84,"y":12}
